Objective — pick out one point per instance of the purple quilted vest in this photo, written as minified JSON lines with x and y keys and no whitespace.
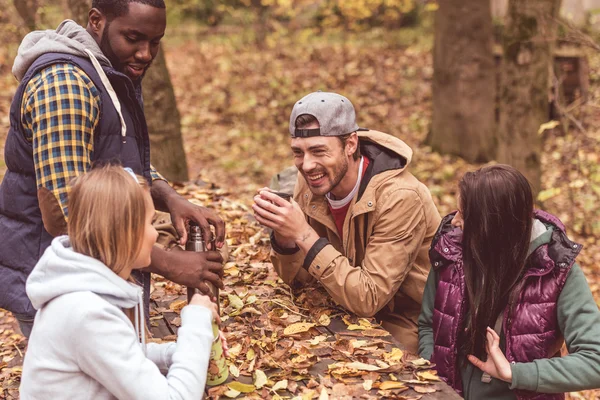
{"x":532,"y":332}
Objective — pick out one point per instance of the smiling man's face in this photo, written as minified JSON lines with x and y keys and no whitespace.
{"x":131,"y":41}
{"x":321,"y":160}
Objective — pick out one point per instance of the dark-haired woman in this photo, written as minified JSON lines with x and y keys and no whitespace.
{"x":504,"y":293}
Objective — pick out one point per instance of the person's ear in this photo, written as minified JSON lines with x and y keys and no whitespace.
{"x":351,"y":144}
{"x":96,"y":22}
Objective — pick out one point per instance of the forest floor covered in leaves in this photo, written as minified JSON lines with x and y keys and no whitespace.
{"x":235,"y":98}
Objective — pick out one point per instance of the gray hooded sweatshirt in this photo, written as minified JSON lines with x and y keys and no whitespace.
{"x":83,"y":346}
{"x":68,"y":38}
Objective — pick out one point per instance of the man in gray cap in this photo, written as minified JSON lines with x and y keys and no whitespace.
{"x":359,"y":222}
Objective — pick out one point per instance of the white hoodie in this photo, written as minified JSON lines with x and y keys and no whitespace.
{"x":84,"y":347}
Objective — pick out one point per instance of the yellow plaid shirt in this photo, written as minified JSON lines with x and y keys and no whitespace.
{"x":60,"y":111}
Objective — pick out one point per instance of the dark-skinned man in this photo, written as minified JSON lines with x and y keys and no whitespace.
{"x":359,"y":223}
{"x":79,"y":103}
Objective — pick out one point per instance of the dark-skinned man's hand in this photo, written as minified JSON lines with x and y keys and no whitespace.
{"x":183,"y":211}
{"x":195,"y":269}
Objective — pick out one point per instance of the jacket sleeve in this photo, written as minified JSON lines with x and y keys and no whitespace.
{"x":399,"y":229}
{"x":426,"y":317}
{"x":161,"y":354}
{"x":579,"y":321}
{"x":60,"y":110}
{"x":108,"y":350}
{"x":288,"y":264}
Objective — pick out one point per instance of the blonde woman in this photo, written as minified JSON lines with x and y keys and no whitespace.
{"x":83,"y":344}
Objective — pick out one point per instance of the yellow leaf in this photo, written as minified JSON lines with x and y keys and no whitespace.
{"x":298,"y":327}
{"x":235,"y":371}
{"x":232,"y":394}
{"x":428,"y":375}
{"x":387,"y":385}
{"x":250,"y":354}
{"x":235,"y":301}
{"x":420,"y":362}
{"x":324,"y":395}
{"x":251,"y":299}
{"x":260,"y":379}
{"x":548,"y":125}
{"x":281,"y":385}
{"x":317,"y":339}
{"x":235,"y":350}
{"x":357,"y":344}
{"x":177,"y":305}
{"x":394,"y":357}
{"x":354,"y":327}
{"x":241,"y":387}
{"x":365,"y":323}
{"x":308,"y":395}
{"x":393,"y":377}
{"x":368,"y":384}
{"x":324,"y":320}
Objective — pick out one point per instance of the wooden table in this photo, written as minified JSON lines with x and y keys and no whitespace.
{"x":255,"y":326}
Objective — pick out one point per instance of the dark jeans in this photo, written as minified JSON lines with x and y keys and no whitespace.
{"x":26,"y":325}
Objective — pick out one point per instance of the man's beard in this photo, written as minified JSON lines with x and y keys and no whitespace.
{"x":337,"y":176}
{"x":108,"y":51}
{"x":112,"y":57}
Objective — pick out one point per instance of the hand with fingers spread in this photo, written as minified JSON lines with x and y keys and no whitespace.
{"x":195,"y":269}
{"x":496,"y":364}
{"x":183,"y":211}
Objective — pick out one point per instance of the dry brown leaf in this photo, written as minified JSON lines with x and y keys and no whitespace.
{"x":298,"y":328}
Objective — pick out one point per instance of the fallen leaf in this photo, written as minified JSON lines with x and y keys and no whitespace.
{"x":234,"y":370}
{"x":281,"y":385}
{"x":424,"y":389}
{"x":428,"y":375}
{"x":394,"y":357}
{"x":375,"y":333}
{"x":324,"y":395}
{"x":235,"y":301}
{"x":260,"y":379}
{"x":420,"y":362}
{"x":387,"y":385}
{"x":177,"y":305}
{"x":232,"y":394}
{"x":368,"y":384}
{"x":317,"y":339}
{"x":298,"y":327}
{"x":324,"y":320}
{"x":241,"y":387}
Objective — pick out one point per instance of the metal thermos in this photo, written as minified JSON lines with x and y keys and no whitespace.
{"x":195,"y":243}
{"x":218,"y":371}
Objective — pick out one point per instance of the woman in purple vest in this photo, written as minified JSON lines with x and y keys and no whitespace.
{"x":504,"y":294}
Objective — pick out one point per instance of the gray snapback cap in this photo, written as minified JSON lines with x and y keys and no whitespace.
{"x":334,"y":112}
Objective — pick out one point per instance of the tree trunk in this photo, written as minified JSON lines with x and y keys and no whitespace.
{"x":464,"y":81}
{"x":529,"y":37}
{"x":27,"y":10}
{"x":164,"y":123}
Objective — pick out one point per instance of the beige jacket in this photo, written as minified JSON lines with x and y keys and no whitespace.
{"x":380,"y":266}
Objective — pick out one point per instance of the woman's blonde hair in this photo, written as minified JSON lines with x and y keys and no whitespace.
{"x":107,"y":211}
